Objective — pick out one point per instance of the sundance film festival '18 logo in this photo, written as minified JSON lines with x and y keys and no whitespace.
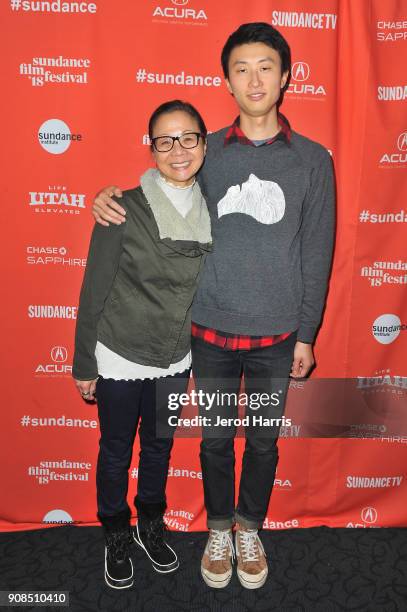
{"x":56,"y":199}
{"x":179,"y":11}
{"x":55,"y":136}
{"x":57,"y":471}
{"x":58,"y":368}
{"x":396,"y":159}
{"x":300,"y":87}
{"x":56,"y":70}
{"x":380,"y":273}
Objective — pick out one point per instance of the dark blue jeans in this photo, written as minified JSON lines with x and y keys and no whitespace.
{"x":121,"y":405}
{"x":266,"y":370}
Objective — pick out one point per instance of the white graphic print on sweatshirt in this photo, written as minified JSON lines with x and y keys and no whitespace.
{"x":262,"y":200}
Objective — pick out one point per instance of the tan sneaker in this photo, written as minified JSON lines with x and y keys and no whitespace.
{"x":251,"y":559}
{"x":216,"y":564}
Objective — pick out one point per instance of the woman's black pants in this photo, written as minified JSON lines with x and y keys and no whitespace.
{"x":122,"y":404}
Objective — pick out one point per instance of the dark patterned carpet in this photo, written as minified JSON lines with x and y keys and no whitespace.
{"x":312,"y":570}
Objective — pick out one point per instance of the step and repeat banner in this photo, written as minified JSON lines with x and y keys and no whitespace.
{"x":80,"y":80}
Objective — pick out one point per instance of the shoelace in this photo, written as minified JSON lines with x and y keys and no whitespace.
{"x":220,"y":541}
{"x":117,"y":545}
{"x":249,"y":545}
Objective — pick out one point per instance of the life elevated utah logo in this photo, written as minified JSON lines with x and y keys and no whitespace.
{"x":56,"y":200}
{"x":396,"y":159}
{"x":179,"y":11}
{"x":57,"y":366}
{"x":302,"y":85}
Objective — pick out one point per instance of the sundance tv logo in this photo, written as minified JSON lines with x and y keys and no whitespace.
{"x":391,"y":94}
{"x":58,"y":366}
{"x":55,"y":137}
{"x":314,"y":21}
{"x":51,"y":311}
{"x":301,"y":86}
{"x":179,"y":11}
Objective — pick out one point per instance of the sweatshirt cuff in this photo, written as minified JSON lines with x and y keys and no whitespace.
{"x":84,"y":376}
{"x":306,"y":334}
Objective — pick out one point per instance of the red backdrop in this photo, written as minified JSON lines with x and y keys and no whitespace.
{"x":96,"y":70}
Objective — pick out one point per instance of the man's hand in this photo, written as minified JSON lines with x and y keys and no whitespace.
{"x":87,"y":389}
{"x":105,"y":210}
{"x":303,"y":360}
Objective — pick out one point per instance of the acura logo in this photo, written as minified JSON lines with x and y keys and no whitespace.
{"x":402,"y":142}
{"x":369,"y":515}
{"x":300,"y":71}
{"x":59,"y":354}
{"x":180,"y":2}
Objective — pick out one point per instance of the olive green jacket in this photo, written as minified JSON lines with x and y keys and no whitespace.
{"x":140,"y":281}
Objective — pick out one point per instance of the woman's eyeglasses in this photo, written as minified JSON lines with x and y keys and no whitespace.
{"x":163,"y":144}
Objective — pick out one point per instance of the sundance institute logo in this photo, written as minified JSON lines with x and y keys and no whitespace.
{"x":55,"y":136}
{"x":386,"y":328}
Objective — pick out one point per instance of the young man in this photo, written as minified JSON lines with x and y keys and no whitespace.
{"x":270,"y":193}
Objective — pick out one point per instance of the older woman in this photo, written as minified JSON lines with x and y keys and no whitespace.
{"x":134,"y":327}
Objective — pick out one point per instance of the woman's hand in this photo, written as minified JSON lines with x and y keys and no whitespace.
{"x":105,"y":209}
{"x":87,"y":389}
{"x":303,"y":360}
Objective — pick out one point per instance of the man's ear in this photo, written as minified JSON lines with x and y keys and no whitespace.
{"x":229,"y":86}
{"x":284,"y":78}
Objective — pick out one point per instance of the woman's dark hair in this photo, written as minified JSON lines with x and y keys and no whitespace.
{"x":257,"y":32}
{"x":176,"y":105}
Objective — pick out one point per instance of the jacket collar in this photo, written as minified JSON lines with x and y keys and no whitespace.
{"x":171,"y":224}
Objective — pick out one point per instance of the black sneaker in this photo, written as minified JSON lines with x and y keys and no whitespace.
{"x":118,"y":565}
{"x":150,"y":536}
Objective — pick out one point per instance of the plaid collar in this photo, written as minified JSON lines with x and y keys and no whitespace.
{"x":235,"y":134}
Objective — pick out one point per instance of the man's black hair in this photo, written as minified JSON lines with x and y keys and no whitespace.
{"x":253,"y":33}
{"x":172,"y":106}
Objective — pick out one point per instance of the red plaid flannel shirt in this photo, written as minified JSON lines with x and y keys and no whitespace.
{"x":235,"y":342}
{"x":239,"y":341}
{"x":235,"y":134}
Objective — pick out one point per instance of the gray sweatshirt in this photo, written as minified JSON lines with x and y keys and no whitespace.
{"x":272,"y":215}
